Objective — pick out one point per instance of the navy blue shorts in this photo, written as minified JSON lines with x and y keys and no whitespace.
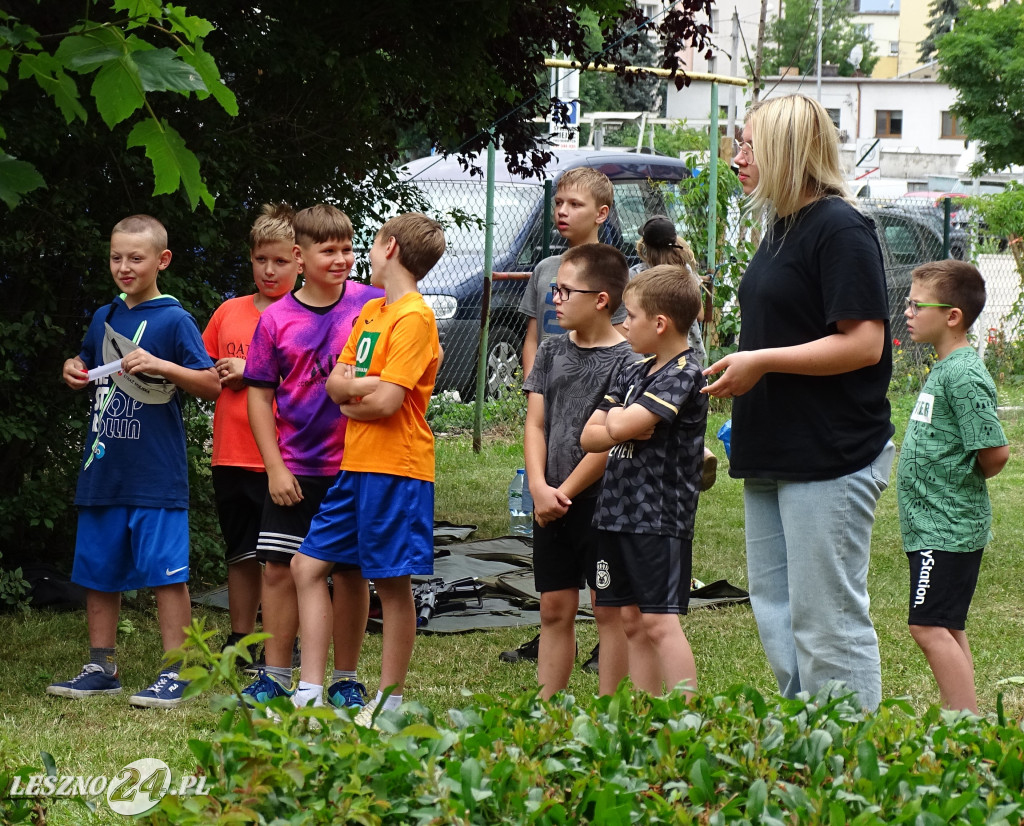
{"x":649,"y":571}
{"x":942,"y":586}
{"x":122,"y":548}
{"x":381,"y":523}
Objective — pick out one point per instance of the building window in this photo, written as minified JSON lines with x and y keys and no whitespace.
{"x":951,"y":127}
{"x":834,"y":115}
{"x":888,"y":123}
{"x":894,"y":47}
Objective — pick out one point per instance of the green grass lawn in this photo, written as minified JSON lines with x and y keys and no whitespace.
{"x":100,"y":736}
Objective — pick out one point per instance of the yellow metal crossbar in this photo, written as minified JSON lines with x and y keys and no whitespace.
{"x":556,"y":63}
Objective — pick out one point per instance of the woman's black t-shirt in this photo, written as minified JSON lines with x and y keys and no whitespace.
{"x":825,"y":266}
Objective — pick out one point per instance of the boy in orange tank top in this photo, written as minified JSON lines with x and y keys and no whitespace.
{"x":239,"y":477}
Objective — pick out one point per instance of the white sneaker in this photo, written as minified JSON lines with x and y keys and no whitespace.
{"x":365,"y":716}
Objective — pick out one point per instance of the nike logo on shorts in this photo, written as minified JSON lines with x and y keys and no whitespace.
{"x":169,"y":572}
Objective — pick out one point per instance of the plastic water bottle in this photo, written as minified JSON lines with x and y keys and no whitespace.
{"x":520,"y":521}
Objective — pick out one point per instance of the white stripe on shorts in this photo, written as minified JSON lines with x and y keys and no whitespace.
{"x":281,"y":543}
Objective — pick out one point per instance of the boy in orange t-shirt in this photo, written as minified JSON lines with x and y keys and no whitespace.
{"x":379,"y":514}
{"x":239,"y":477}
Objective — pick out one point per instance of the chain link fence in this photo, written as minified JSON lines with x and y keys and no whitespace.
{"x":524,"y":235}
{"x":911,"y":232}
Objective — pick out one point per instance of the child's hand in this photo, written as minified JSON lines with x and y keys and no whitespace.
{"x":75,"y":374}
{"x":284,"y":487}
{"x":231,"y":372}
{"x":339,"y":384}
{"x":549,"y":504}
{"x":142,"y":361}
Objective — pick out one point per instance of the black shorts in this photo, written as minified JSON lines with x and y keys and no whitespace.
{"x":649,"y":571}
{"x":239,"y":493}
{"x":942,"y":586}
{"x":564,"y":551}
{"x":285,"y":526}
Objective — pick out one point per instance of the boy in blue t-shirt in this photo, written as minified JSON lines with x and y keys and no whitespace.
{"x":953,"y":443}
{"x":132,"y":492}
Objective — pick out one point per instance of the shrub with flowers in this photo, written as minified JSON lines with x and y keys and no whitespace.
{"x":911,"y":363}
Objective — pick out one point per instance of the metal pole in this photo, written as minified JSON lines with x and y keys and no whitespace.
{"x":820,"y":35}
{"x":646,"y":70}
{"x":946,"y":210}
{"x":733,"y":68}
{"x":485,"y":306}
{"x":545,"y":243}
{"x":713,"y":183}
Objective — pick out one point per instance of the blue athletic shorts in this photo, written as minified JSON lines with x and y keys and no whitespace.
{"x":121,"y":548}
{"x":382,"y":523}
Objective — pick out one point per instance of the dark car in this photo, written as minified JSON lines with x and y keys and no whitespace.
{"x":909,"y":238}
{"x":454,"y":288}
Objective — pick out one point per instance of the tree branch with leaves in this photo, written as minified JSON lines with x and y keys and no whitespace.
{"x":127,"y":70}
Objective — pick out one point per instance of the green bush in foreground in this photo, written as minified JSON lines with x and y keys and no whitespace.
{"x":733,"y":758}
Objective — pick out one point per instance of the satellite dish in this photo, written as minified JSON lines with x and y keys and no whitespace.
{"x":856,"y":56}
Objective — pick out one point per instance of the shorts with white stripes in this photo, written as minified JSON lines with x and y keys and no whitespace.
{"x":283,"y":527}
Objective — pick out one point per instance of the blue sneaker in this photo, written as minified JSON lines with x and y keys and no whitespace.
{"x":347,"y":694}
{"x":91,"y":681}
{"x":166,"y":692}
{"x":264,"y":689}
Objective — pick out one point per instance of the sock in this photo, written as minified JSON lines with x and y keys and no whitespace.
{"x":233,"y":638}
{"x":339,"y":675}
{"x":283,"y":674}
{"x":308,"y":693}
{"x":105,"y":658}
{"x":172,"y":668}
{"x":392,"y":702}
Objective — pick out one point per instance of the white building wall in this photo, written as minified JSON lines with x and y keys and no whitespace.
{"x":920,"y":150}
{"x":693,"y":108}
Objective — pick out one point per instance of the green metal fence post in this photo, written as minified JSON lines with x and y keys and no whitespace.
{"x":548,"y":223}
{"x":713,"y":183}
{"x":946,"y":209}
{"x":485,"y":305}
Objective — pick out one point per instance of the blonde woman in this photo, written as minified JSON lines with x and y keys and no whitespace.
{"x":811,"y":429}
